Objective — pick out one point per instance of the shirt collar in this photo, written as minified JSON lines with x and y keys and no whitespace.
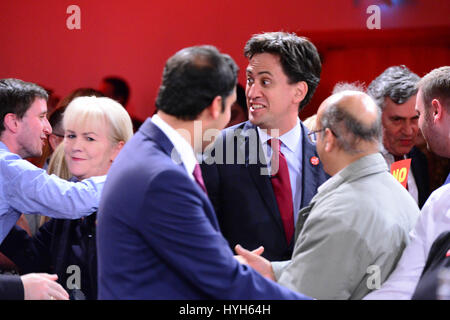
{"x":3,"y":146}
{"x":183,"y":148}
{"x":290,"y":139}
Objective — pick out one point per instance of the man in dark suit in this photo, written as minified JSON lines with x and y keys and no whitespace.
{"x":394,"y":91}
{"x":253,"y":204}
{"x":158,"y":236}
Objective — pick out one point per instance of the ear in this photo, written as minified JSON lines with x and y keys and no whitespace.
{"x":119,"y":145}
{"x":11,"y":122}
{"x":213,"y":111}
{"x":216,"y":107}
{"x":437,"y":110}
{"x":329,"y":140}
{"x":301,"y":89}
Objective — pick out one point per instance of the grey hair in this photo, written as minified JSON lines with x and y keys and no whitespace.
{"x":349,"y":130}
{"x":397,"y":83}
{"x":345,"y":86}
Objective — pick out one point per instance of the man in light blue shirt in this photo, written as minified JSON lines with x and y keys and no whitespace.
{"x":24,"y":188}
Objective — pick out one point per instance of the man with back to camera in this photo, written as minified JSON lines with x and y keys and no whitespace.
{"x":257,"y":202}
{"x":158,"y":236}
{"x":356,"y":226}
{"x":394,"y":91}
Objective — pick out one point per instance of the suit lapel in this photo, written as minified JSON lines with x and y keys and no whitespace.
{"x":310,"y":171}
{"x":255,"y":161}
{"x":155,"y":134}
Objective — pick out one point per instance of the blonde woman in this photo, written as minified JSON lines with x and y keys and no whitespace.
{"x":96,"y":129}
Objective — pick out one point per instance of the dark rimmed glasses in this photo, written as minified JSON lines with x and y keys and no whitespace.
{"x":313,"y":134}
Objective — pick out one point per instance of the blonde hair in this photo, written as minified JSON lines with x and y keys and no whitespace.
{"x":57,"y":164}
{"x":91,"y":112}
{"x":95,"y":111}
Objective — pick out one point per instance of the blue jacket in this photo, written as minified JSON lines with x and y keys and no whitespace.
{"x":158,"y":236}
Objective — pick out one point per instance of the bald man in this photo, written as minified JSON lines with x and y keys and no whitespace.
{"x":351,"y":235}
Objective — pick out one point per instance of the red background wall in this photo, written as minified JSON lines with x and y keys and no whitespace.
{"x":134,"y":38}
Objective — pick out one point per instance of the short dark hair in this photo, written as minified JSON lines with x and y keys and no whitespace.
{"x":299,"y":58}
{"x":241,"y":99}
{"x":16,"y":96}
{"x":348,"y":129}
{"x":397,"y":83}
{"x":192,"y":78}
{"x":436,"y":84}
{"x":121,"y":90}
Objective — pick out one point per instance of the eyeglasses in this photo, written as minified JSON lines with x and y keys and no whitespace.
{"x":313,"y":134}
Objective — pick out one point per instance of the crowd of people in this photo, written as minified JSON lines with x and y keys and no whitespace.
{"x":253,"y":203}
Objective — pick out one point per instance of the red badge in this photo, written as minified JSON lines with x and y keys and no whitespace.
{"x":314,"y":161}
{"x":400,"y":169}
{"x":447,"y":254}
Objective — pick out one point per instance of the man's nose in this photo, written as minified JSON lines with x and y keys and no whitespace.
{"x":253,"y":91}
{"x":409,"y":128}
{"x":47,"y":127}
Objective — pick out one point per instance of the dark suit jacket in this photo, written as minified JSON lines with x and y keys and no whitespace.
{"x":58,"y":244}
{"x":427,"y":286}
{"x":419,"y":167}
{"x":243,"y":198}
{"x":11,"y":287}
{"x":158,"y":236}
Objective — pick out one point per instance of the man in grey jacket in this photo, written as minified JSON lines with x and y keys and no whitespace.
{"x":354,"y":230}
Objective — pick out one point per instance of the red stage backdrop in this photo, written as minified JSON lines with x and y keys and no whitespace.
{"x":134,"y":38}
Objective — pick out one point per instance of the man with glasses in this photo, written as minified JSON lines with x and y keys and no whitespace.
{"x":353,"y":232}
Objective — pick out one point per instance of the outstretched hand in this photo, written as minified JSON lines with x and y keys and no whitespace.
{"x":43,"y":286}
{"x":254,"y":260}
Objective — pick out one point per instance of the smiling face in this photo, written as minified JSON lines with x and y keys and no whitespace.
{"x":400,"y":126}
{"x":271,"y":100}
{"x":33,"y":130}
{"x":88,"y":151}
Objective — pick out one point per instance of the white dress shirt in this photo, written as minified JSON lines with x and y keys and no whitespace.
{"x":184,"y":152}
{"x":434,"y":219}
{"x":291,"y":147}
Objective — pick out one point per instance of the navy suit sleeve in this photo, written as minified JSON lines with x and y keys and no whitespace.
{"x":184,"y":238}
{"x":11,"y":288}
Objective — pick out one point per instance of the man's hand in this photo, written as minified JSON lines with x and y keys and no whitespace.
{"x":254,"y":260}
{"x":257,"y":251}
{"x":43,"y":286}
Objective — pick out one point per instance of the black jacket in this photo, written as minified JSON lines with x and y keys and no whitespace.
{"x":64,"y":247}
{"x":11,"y":288}
{"x":438,"y":259}
{"x":419,"y":167}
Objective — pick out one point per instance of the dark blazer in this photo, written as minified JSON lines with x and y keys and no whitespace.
{"x":437,"y":260}
{"x":158,"y":236}
{"x":419,"y":167}
{"x":11,"y":287}
{"x":243,"y":198}
{"x":57,"y":245}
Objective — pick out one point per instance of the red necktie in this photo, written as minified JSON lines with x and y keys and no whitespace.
{"x":198,"y":177}
{"x":282,"y":188}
